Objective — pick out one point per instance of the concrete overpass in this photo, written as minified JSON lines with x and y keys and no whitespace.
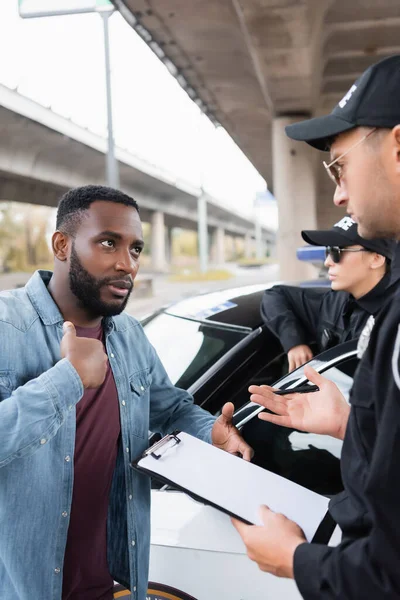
{"x":256,"y":65}
{"x":43,"y":154}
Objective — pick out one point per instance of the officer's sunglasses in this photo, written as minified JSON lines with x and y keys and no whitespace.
{"x":334,"y":170}
{"x":335,"y":252}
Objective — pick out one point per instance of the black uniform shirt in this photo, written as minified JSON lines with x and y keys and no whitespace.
{"x":366,"y":565}
{"x":305,"y":315}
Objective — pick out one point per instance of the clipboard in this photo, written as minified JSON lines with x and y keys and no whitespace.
{"x":232,"y":485}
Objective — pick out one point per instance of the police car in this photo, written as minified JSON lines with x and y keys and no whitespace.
{"x":222,"y":347}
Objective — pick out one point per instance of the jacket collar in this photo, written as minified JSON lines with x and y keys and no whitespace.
{"x":42,"y":301}
{"x":373,"y":300}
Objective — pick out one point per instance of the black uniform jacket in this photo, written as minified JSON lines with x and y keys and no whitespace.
{"x":318,"y":315}
{"x":366,"y":565}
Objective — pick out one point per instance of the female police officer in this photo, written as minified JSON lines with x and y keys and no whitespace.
{"x":359,"y":272}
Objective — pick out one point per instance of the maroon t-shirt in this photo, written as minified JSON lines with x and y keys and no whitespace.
{"x":85,"y":574}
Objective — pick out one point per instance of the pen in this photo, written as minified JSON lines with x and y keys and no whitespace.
{"x":303,"y":389}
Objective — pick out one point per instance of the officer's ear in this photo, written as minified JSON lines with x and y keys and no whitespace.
{"x":377,"y":261}
{"x":396,"y":146}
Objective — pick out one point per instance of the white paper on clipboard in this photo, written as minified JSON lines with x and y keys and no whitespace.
{"x":230,"y":483}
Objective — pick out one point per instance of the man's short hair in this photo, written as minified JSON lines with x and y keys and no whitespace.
{"x":76,"y":201}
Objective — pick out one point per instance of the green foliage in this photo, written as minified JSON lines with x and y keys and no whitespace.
{"x":23,"y":245}
{"x":184,"y":243}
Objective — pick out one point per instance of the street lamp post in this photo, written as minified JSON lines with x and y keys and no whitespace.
{"x":111,"y":161}
{"x":54,"y":8}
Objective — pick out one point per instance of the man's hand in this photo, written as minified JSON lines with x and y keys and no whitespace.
{"x":272,"y":545}
{"x":224,"y":434}
{"x":86,"y":355}
{"x":298,"y":355}
{"x":325,"y":412}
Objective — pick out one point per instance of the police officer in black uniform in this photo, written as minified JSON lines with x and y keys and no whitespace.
{"x":360,"y":279}
{"x":363,"y":136}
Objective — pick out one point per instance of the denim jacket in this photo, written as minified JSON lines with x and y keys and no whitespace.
{"x":38,"y":394}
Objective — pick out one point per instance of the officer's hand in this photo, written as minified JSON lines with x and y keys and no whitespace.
{"x":325,"y":412}
{"x":86,"y":355}
{"x":271,"y":546}
{"x":298,"y":355}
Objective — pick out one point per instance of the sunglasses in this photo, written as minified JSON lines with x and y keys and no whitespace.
{"x":335,"y":252}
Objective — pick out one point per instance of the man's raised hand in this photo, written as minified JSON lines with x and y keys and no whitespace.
{"x":86,"y":355}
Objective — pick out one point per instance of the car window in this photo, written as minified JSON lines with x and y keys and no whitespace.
{"x":308,"y":459}
{"x":188,"y":348}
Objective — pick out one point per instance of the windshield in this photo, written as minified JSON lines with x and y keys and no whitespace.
{"x":188,"y":349}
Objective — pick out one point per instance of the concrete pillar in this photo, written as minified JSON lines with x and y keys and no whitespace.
{"x":158,"y":258}
{"x":218,"y":246}
{"x":168,"y":245}
{"x":248,"y":250}
{"x":202,"y":232}
{"x":229,"y":248}
{"x":295,"y":192}
{"x":258,"y":233}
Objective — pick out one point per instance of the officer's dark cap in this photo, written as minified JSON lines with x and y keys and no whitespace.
{"x":372,"y":101}
{"x":344,"y":233}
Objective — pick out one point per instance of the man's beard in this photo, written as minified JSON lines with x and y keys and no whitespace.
{"x":88,"y":290}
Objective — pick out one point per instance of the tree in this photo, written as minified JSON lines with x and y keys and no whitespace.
{"x":23,"y":244}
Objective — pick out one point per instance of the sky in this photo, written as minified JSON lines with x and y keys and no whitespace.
{"x":59,"y":63}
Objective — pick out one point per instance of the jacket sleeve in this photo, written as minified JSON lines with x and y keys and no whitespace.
{"x":32,"y":414}
{"x":367,"y":566}
{"x":291,"y":313}
{"x":173,"y":408}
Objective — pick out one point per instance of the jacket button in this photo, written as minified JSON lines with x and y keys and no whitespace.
{"x":57,"y":570}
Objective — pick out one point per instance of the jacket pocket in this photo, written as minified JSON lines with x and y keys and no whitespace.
{"x":139,"y":384}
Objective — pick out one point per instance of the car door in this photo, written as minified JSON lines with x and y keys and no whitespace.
{"x":308,"y":459}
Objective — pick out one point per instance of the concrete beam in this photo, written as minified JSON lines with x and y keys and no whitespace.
{"x":363,"y":24}
{"x":38,"y":163}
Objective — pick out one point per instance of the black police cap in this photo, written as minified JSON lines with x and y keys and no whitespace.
{"x":344,"y":233}
{"x":372,"y":101}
